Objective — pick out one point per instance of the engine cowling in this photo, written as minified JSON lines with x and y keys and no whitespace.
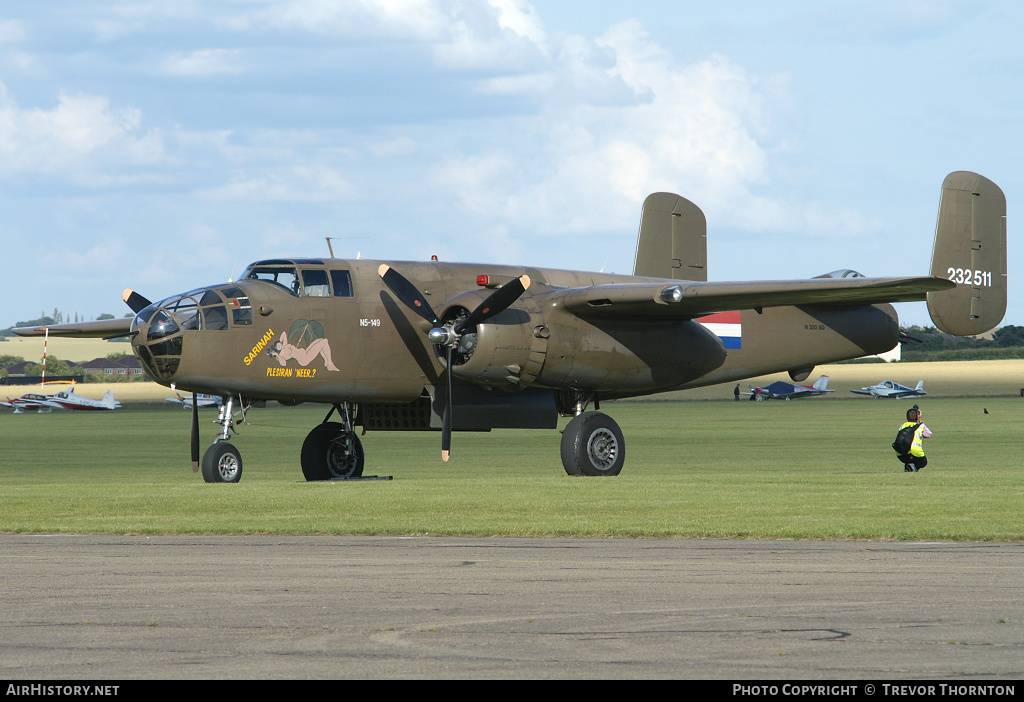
{"x":497,"y":351}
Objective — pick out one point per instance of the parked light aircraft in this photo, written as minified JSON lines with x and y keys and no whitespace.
{"x":200,"y":399}
{"x":889,"y":388}
{"x":514,"y":346}
{"x":780,"y":390}
{"x":65,"y":399}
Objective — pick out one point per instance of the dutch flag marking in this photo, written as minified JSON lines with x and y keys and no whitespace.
{"x":726,"y":326}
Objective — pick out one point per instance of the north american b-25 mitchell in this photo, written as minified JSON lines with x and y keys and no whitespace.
{"x":515,"y":347}
{"x":890,"y":388}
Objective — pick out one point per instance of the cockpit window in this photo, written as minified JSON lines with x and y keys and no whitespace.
{"x":280,"y":273}
{"x":314,"y":284}
{"x":342,"y":283}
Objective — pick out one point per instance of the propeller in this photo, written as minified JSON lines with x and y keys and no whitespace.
{"x":904,"y":336}
{"x":134,"y":300}
{"x":138,"y":303}
{"x":195,"y":433}
{"x":449,"y":336}
{"x":407,"y":293}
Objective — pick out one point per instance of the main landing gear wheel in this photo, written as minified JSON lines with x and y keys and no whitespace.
{"x":330,"y":451}
{"x":222,"y":464}
{"x":592,"y":444}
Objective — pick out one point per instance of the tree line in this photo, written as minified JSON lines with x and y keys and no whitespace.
{"x":930,"y":344}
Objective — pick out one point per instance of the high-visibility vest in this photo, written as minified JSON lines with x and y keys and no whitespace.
{"x":917,"y":447}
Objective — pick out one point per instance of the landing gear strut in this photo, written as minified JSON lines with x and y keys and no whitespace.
{"x":332,"y":450}
{"x":592,"y":443}
{"x":222,"y":463}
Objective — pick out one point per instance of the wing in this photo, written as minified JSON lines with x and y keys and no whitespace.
{"x":682,"y":301}
{"x":84,"y":330}
{"x":47,"y":403}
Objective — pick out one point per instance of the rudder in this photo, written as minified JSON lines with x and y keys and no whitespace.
{"x":673,"y":239}
{"x":970,"y":249}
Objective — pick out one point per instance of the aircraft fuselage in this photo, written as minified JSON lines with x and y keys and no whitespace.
{"x":329,"y":330}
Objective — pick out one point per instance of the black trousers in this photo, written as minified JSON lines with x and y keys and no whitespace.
{"x":913,"y":463}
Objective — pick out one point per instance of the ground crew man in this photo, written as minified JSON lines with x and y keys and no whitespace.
{"x":915,"y":459}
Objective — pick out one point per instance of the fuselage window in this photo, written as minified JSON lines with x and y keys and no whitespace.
{"x":314,"y":284}
{"x":342,"y":283}
{"x":241,"y":308}
{"x":242,"y":316}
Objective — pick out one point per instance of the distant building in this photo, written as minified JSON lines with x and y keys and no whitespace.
{"x":124,"y":366}
{"x":19,"y":369}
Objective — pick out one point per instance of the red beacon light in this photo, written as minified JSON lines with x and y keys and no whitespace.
{"x":482,"y":281}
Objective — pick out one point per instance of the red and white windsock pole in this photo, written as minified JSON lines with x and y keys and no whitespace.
{"x":46,"y":338}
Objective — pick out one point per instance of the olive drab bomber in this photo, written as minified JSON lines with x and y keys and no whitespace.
{"x":407,"y":346}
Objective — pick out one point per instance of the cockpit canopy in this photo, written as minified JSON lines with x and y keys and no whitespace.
{"x":305,"y":277}
{"x":842,"y":273}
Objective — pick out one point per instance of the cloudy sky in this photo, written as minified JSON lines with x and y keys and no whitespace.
{"x":164,"y":145}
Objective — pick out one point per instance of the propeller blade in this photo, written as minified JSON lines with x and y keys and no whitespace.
{"x":195,"y":433}
{"x":446,"y":418}
{"x":136,"y":301}
{"x":904,"y":336}
{"x":407,"y":293}
{"x":496,"y":303}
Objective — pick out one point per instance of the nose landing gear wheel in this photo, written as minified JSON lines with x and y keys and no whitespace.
{"x":222,"y":463}
{"x":592,"y":444}
{"x":330,"y":452}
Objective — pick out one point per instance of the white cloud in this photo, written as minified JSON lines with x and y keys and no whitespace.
{"x":207,"y":62}
{"x":77,"y":139}
{"x":295,"y":184}
{"x":703,"y":129}
{"x":393,"y":148}
{"x":697,"y":129}
{"x":360,"y":19}
{"x":11,"y":32}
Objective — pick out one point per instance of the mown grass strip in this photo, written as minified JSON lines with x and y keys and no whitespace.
{"x":807,"y":469}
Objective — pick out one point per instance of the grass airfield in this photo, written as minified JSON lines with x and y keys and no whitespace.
{"x":818,"y":468}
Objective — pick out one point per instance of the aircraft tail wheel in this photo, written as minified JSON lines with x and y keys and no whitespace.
{"x":222,"y":463}
{"x":592,"y":444}
{"x":331,"y":452}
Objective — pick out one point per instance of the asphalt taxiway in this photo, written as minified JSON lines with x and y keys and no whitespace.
{"x":203,"y":607}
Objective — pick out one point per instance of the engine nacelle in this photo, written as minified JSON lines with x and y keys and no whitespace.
{"x":627,"y":357}
{"x":560,"y":350}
